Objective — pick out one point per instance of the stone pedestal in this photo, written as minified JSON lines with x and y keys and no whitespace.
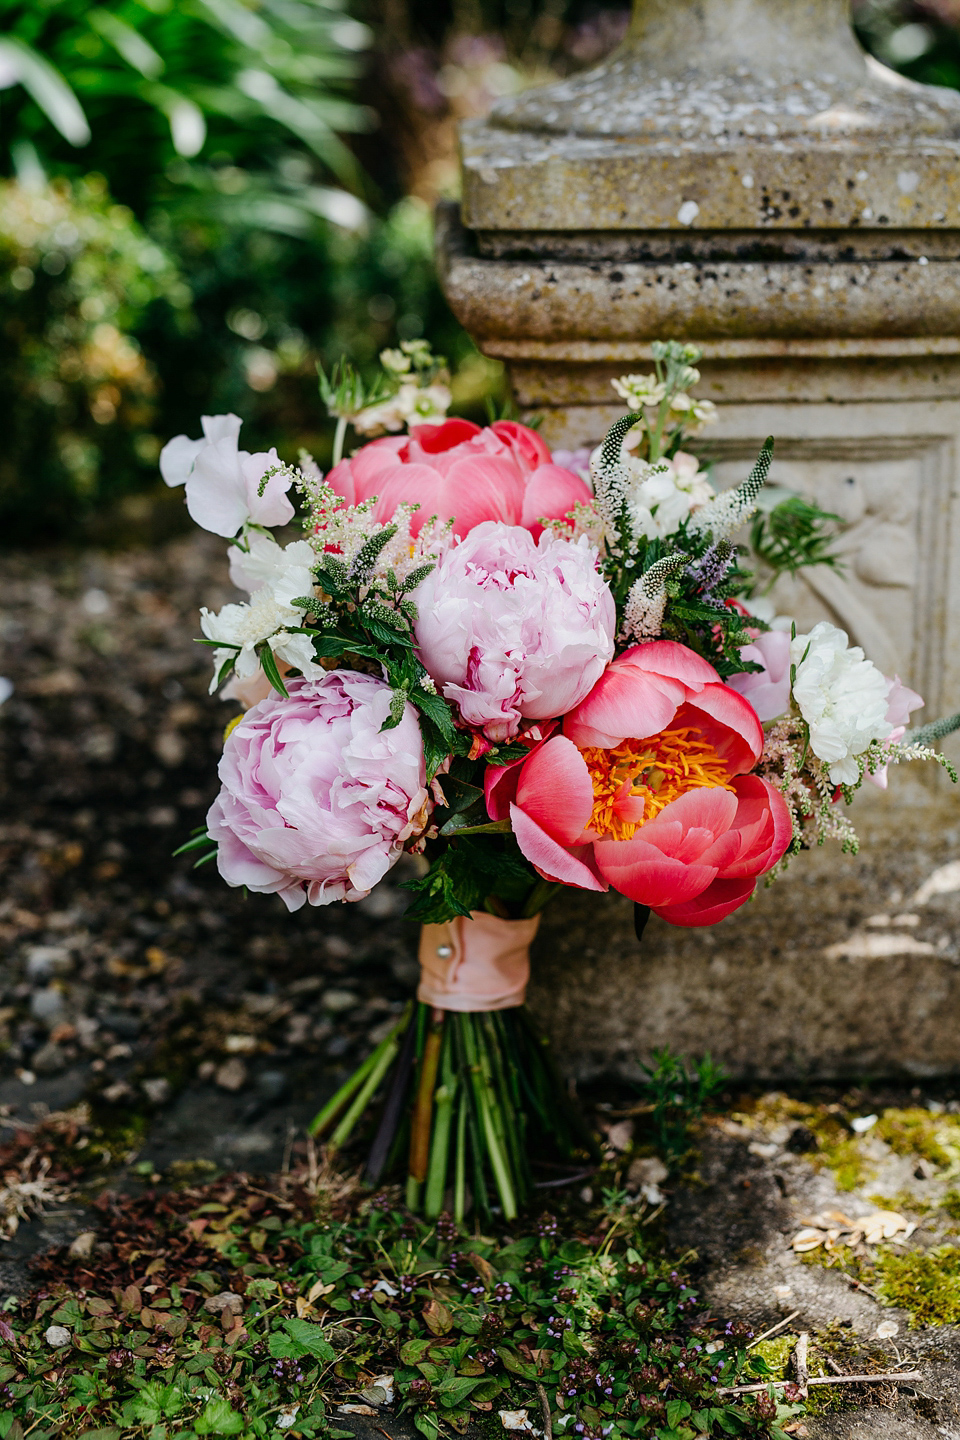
{"x":740,"y":175}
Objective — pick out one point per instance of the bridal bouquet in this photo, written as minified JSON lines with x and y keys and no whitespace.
{"x":532,"y":671}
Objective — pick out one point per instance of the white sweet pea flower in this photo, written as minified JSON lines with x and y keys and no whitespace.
{"x":286,"y":569}
{"x":179,"y":454}
{"x":842,"y":696}
{"x":223,"y":481}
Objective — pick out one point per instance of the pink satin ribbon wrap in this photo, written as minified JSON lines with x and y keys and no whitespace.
{"x":478,"y":964}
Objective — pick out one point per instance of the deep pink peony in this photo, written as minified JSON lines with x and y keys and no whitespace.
{"x":768,"y":690}
{"x":501,"y":472}
{"x":317,"y":800}
{"x":511,"y":628}
{"x":646,"y":790}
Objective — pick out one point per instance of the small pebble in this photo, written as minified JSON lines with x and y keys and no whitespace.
{"x":57,"y":1336}
{"x":231,"y":1075}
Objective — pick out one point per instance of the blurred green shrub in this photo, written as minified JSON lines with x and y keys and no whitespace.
{"x":78,"y":399}
{"x":136,"y":85}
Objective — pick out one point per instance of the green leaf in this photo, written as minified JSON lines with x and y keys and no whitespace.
{"x":427,"y":1424}
{"x":389,"y":1319}
{"x":219,"y":1418}
{"x":308,"y":1340}
{"x":156,"y":1402}
{"x":457,"y":825}
{"x":47,"y":88}
{"x":436,"y":710}
{"x":516,"y":1366}
{"x":677,"y":1410}
{"x":454,"y":1391}
{"x":269,"y":663}
{"x":572,"y":1343}
{"x":414,"y":1350}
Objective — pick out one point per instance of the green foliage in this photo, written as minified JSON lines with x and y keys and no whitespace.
{"x":78,"y":399}
{"x":679,"y":1091}
{"x":793,"y":534}
{"x":165,"y":84}
{"x":607,"y":1332}
{"x":466,"y":875}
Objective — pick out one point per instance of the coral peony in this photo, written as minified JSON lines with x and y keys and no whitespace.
{"x":223,"y":481}
{"x":768,"y":690}
{"x":458,"y":470}
{"x":647,"y":790}
{"x":316,"y":799}
{"x":512,"y":628}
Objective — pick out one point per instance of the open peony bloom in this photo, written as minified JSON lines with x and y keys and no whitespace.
{"x":646,"y":790}
{"x":512,"y":628}
{"x":458,"y":470}
{"x":223,"y":481}
{"x":316,"y":799}
{"x":768,"y":690}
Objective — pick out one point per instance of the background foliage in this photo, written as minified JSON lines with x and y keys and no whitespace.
{"x":251,"y":183}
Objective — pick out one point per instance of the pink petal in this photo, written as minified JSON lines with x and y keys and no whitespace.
{"x":435,"y":439}
{"x":551,"y":493}
{"x":524,"y":442}
{"x":717,"y":901}
{"x":500,"y":788}
{"x":623,"y":703}
{"x":668,"y":657}
{"x":555,"y":790}
{"x":729,"y":722}
{"x":548,"y":858}
{"x":646,"y":875}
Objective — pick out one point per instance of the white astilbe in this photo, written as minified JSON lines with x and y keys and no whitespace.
{"x":725,"y":514}
{"x":583,"y":519}
{"x":647,"y":600}
{"x":344,"y":529}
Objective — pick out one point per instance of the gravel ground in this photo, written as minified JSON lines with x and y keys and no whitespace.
{"x":128,"y":977}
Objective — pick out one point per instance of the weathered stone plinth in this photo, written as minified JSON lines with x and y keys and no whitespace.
{"x":740,"y":175}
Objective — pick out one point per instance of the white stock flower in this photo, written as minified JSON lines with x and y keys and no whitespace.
{"x":222,"y":481}
{"x":639,"y":390}
{"x":841,"y":695}
{"x":411,"y":404}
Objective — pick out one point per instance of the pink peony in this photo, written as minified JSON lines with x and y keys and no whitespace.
{"x":646,"y":790}
{"x":513,"y":628}
{"x":316,"y":800}
{"x":768,"y":690}
{"x":458,"y":470}
{"x":223,"y":481}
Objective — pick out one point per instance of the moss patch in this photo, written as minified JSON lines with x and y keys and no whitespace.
{"x":926,"y":1283}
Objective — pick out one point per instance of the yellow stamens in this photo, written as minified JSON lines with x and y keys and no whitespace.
{"x":659,"y":769}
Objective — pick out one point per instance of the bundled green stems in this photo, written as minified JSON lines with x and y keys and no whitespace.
{"x":472,"y":1102}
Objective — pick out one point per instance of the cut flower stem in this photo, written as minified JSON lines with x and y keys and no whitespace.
{"x":470,"y":1101}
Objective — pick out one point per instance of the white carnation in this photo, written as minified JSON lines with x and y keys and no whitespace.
{"x":841,"y":695}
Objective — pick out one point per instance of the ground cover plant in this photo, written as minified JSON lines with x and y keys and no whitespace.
{"x":248,"y":1307}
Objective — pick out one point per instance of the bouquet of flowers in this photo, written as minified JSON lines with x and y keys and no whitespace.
{"x":531,"y":671}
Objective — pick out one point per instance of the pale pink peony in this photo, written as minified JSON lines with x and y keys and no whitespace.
{"x":512,"y":628}
{"x":223,"y":481}
{"x":316,"y":800}
{"x":458,"y":470}
{"x":768,"y":690}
